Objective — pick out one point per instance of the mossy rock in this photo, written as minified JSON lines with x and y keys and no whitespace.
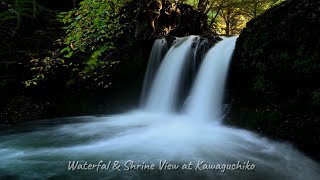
{"x":276,"y":66}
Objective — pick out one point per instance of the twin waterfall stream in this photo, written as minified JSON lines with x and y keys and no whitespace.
{"x":161,"y":137}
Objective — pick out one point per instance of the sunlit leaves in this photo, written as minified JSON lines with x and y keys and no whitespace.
{"x":230,"y":16}
{"x":42,"y":67}
{"x":90,"y":33}
{"x":91,"y":26}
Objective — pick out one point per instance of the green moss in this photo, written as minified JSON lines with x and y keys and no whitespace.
{"x":263,"y":85}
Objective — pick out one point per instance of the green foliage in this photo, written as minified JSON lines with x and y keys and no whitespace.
{"x":230,"y":16}
{"x":91,"y":32}
{"x":22,"y":38}
{"x":44,"y":67}
{"x":315,"y":97}
{"x":15,"y":7}
{"x":286,"y":45}
{"x":253,"y":8}
{"x":263,"y":85}
{"x":92,"y":28}
{"x":15,"y":11}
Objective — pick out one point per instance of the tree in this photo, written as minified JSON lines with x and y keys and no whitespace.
{"x":230,"y":16}
{"x":25,"y":34}
{"x":202,"y":5}
{"x":17,"y":9}
{"x":91,"y":32}
{"x":253,"y":8}
{"x":233,"y":20}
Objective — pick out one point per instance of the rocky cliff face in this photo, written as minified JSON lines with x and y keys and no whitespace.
{"x":275,"y":76}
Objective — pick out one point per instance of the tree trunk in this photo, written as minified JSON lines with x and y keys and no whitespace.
{"x":34,"y":9}
{"x":228,"y":20}
{"x":18,"y":16}
{"x":218,"y":12}
{"x":227,"y":28}
{"x":255,"y":9}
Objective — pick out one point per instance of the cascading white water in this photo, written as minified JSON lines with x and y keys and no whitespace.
{"x":198,"y":55}
{"x":159,"y":49}
{"x":44,"y":152}
{"x":163,"y":94}
{"x":206,"y":96}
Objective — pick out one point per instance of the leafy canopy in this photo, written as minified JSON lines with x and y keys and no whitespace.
{"x":91,"y":33}
{"x":92,"y":27}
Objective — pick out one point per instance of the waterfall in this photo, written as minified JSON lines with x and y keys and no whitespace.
{"x":159,"y":49}
{"x":198,"y":54}
{"x":163,"y":94}
{"x":207,"y":92}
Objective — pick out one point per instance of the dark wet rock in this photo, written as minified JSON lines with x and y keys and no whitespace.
{"x":275,"y":74}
